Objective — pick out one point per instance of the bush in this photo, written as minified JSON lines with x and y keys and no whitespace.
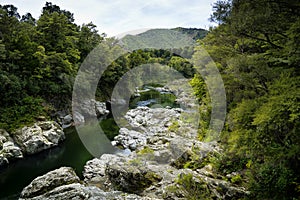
{"x":25,"y":113}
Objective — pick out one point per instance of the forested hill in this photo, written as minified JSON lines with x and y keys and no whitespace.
{"x":195,"y":33}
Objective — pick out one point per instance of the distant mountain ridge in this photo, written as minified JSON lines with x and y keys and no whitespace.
{"x":163,"y":38}
{"x":195,"y":33}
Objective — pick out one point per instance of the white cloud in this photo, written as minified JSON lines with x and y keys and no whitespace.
{"x":115,"y":17}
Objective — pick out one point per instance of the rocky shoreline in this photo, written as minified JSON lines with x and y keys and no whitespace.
{"x":43,"y":134}
{"x":29,"y":140}
{"x":158,"y":163}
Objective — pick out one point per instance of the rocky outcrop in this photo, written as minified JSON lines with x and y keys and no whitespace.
{"x":49,"y":181}
{"x":70,"y":191}
{"x":63,"y":183}
{"x":80,"y":191}
{"x":8,"y":149}
{"x":91,"y":107}
{"x":119,"y":172}
{"x":130,"y":175}
{"x":29,"y":140}
{"x":142,"y":176}
{"x":150,"y":121}
{"x":40,"y":136}
{"x":88,"y":109}
{"x":130,"y":139}
{"x":67,"y":121}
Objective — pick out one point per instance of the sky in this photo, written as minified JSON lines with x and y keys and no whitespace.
{"x":115,"y":17}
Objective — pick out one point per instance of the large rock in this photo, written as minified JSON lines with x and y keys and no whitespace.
{"x":67,"y":121}
{"x":40,"y":136}
{"x":63,"y":184}
{"x":130,"y":139}
{"x":78,"y":118}
{"x":82,"y":192}
{"x":8,"y":149}
{"x":101,"y":109}
{"x":49,"y":181}
{"x":119,"y":172}
{"x":88,"y":109}
{"x":130,"y":175}
{"x":93,"y":108}
{"x":70,"y":191}
{"x":185,"y":150}
{"x":152,"y":120}
{"x":94,"y":171}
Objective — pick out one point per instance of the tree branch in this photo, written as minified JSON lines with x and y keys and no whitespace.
{"x":267,"y":40}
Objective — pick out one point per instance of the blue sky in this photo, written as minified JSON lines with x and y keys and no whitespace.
{"x":118,"y":16}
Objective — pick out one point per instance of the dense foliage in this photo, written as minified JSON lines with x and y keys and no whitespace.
{"x":256,"y":48}
{"x":38,"y":62}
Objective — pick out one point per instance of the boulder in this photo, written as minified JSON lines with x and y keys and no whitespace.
{"x":130,"y":139}
{"x":3,"y":160}
{"x":8,"y":149}
{"x":222,"y":189}
{"x":93,"y":108}
{"x":94,"y":170}
{"x":49,"y":181}
{"x":40,"y":136}
{"x":128,"y":174}
{"x":150,"y":121}
{"x":163,"y":90}
{"x":88,"y":109}
{"x":185,"y":150}
{"x":101,"y":109}
{"x":4,"y":137}
{"x":11,"y":151}
{"x":78,"y":118}
{"x":80,"y":191}
{"x":131,"y":175}
{"x":66,"y":121}
{"x":70,"y":191}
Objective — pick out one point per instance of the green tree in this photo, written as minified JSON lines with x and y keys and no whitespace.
{"x":221,"y":11}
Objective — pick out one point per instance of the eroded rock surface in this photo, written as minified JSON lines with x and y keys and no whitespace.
{"x":49,"y":181}
{"x":63,"y":183}
{"x":40,"y":136}
{"x":8,"y":149}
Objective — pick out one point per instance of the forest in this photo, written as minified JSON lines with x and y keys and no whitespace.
{"x":256,"y":47}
